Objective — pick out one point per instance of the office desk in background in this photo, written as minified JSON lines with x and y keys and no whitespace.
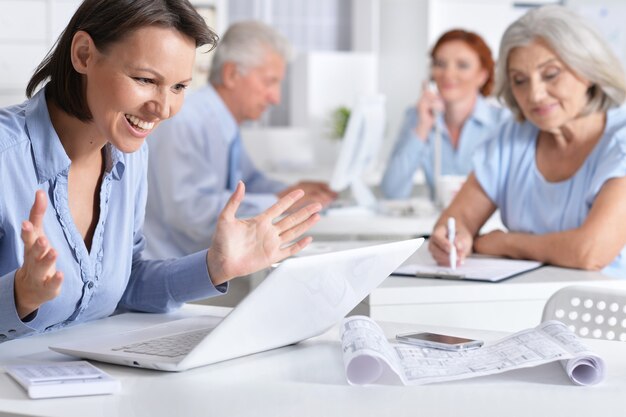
{"x":308,"y":379}
{"x":358,"y":224}
{"x":362,"y":226}
{"x":509,"y":305}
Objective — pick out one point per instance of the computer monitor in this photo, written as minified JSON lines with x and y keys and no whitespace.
{"x":360,"y":144}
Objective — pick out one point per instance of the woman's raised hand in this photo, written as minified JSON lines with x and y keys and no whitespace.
{"x":243,"y":246}
{"x":428,"y":105}
{"x":37,"y":281}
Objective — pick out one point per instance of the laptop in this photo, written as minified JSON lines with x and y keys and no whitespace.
{"x":301,"y":298}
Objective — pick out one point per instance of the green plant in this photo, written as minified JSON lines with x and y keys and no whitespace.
{"x":340,"y":119}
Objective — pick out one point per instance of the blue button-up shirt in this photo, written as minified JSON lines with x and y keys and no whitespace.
{"x":411,"y":153}
{"x":188,"y":177}
{"x":113,"y":272}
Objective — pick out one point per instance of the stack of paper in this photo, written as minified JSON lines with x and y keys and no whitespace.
{"x":63,"y":379}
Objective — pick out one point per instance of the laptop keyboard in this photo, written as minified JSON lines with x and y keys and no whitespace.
{"x":168,"y":346}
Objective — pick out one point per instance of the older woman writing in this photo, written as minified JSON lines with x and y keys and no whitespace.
{"x":558,"y":173}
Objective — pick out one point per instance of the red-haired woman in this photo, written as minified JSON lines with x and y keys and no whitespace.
{"x":462,"y":68}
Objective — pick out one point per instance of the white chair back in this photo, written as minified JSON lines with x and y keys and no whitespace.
{"x":592,"y":312}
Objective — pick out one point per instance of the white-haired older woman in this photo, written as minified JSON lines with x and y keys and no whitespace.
{"x":558,"y":173}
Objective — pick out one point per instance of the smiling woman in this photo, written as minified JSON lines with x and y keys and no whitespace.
{"x":132,"y":86}
{"x":80,"y":143}
{"x":462,"y":70}
{"x":558,"y":173}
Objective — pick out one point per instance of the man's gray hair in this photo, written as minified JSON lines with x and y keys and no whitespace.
{"x":577,"y":44}
{"x":246,"y":44}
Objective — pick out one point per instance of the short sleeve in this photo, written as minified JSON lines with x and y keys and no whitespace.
{"x":490,"y":164}
{"x":611,"y":163}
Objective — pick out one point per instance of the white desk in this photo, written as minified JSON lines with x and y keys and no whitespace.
{"x":308,"y":380}
{"x":375,"y":226}
{"x":359,"y":225}
{"x":509,"y":305}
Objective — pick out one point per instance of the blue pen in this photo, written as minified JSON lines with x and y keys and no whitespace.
{"x":451,"y":238}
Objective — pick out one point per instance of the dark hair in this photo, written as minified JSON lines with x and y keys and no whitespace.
{"x":478,"y":45}
{"x":108,"y":22}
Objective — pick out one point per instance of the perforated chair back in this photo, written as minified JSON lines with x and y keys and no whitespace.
{"x":592,"y":312}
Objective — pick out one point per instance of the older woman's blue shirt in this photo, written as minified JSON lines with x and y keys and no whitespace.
{"x":112,"y":273}
{"x":410,"y":153}
{"x":507,"y":171}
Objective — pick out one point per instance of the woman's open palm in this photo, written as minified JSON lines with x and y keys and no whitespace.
{"x":243,"y":246}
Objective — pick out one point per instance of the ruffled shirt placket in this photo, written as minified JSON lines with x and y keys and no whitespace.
{"x":90,"y":265}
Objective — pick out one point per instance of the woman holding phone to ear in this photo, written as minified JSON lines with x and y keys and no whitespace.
{"x":462,"y":70}
{"x":77,"y":149}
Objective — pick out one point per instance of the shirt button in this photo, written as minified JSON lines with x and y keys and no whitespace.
{"x":90,"y":285}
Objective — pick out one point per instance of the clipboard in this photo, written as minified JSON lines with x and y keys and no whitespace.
{"x":475,"y":268}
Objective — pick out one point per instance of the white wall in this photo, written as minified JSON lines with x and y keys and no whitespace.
{"x":403,"y":58}
{"x":488,"y":18}
{"x":609,"y":17}
{"x":29,"y":28}
{"x":323,"y":81}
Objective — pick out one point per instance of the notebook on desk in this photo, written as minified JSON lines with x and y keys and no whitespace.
{"x":475,"y":268}
{"x":301,"y":298}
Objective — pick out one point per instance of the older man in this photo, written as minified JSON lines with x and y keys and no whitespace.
{"x":196,"y":158}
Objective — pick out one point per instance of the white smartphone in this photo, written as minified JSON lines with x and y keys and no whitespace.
{"x":439,"y":341}
{"x":432,"y":86}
